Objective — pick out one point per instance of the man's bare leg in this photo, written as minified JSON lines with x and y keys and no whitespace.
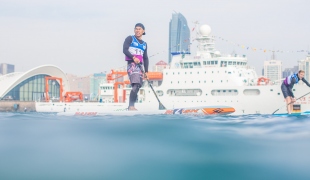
{"x":288,"y":100}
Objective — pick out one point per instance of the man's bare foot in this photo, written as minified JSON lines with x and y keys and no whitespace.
{"x":132,"y":108}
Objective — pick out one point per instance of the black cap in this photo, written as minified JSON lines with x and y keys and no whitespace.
{"x":140,"y":25}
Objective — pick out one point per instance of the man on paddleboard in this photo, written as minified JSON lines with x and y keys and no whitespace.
{"x":135,"y":50}
{"x":287,"y":87}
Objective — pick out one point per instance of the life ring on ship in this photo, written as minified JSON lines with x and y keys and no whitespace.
{"x":262,"y":80}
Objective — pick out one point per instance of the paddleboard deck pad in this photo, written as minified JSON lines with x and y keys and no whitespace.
{"x":205,"y":110}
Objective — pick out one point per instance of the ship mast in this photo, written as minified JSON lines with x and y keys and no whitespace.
{"x":205,"y":42}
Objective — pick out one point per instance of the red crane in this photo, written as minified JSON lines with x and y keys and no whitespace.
{"x":47,"y":97}
{"x":69,"y":96}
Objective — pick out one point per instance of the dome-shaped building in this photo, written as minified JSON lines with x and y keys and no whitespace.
{"x":30,"y":85}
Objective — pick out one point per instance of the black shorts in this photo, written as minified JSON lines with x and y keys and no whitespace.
{"x":285,"y":90}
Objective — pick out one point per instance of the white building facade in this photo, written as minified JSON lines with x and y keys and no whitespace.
{"x":304,"y":64}
{"x":273,"y":70}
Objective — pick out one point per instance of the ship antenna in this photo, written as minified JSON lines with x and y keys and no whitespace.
{"x":273,"y":55}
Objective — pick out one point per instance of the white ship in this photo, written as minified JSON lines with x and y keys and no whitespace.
{"x":208,"y":82}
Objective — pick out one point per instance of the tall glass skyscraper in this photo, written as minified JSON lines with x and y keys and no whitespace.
{"x":179,"y":35}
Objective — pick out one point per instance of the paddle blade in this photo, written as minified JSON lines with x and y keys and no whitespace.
{"x":161,"y":106}
{"x":275,"y":111}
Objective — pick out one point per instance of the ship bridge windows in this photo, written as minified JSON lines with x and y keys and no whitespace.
{"x":196,"y":63}
{"x":224,"y":92}
{"x":204,"y":63}
{"x":211,"y":62}
{"x":224,"y":64}
{"x":190,"y":65}
{"x":238,"y":63}
{"x":184,"y":92}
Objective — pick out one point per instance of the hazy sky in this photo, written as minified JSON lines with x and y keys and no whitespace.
{"x":84,"y":37}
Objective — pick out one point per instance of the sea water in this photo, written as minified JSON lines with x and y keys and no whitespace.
{"x":47,"y":146}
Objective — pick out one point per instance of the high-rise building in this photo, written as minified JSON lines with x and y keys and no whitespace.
{"x":95,"y":82}
{"x":289,"y":71}
{"x":179,"y":35}
{"x":81,"y":84}
{"x":6,"y":68}
{"x":304,"y":64}
{"x":273,"y":69}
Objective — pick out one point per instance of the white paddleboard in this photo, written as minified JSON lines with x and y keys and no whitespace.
{"x":205,"y":110}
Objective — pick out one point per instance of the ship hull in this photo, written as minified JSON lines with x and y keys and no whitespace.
{"x":268,"y":100}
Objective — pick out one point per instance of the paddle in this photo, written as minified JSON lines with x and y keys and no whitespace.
{"x":161,"y":106}
{"x":290,"y":103}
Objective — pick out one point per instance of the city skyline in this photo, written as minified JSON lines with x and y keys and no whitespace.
{"x":83,"y":38}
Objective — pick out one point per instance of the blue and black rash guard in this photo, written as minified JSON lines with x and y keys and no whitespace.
{"x":291,"y":80}
{"x":138,"y":48}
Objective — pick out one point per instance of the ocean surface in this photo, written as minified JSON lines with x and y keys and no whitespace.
{"x":47,"y":146}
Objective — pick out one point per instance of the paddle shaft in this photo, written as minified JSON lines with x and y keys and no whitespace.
{"x":290,"y":102}
{"x":161,"y":106}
